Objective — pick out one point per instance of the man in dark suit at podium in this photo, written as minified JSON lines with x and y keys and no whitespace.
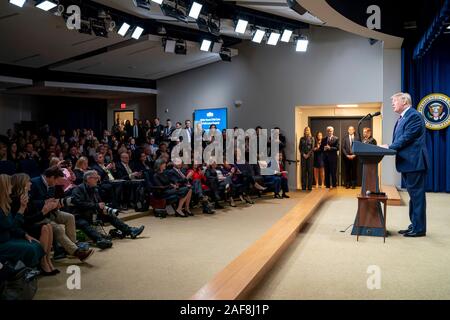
{"x":411,"y":160}
{"x":330,"y":147}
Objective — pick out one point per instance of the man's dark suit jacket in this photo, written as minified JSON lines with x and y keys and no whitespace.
{"x":175,"y":177}
{"x":346,"y":147}
{"x":102,"y":173}
{"x":333,"y":142}
{"x":410,"y":143}
{"x":121,"y":172}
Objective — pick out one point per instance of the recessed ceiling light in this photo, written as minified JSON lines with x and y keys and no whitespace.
{"x":273,"y":38}
{"x":241,"y":26}
{"x":18,"y":3}
{"x":195,"y":10}
{"x":46,"y":5}
{"x":286,"y":37}
{"x":302,"y":45}
{"x":137,"y":33}
{"x":258,"y":36}
{"x":206,"y":44}
{"x":124,"y":29}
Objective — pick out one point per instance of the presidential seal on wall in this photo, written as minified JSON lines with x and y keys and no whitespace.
{"x":435,"y":108}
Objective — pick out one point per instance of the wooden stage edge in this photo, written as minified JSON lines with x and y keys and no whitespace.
{"x":393,"y":195}
{"x":238,"y":278}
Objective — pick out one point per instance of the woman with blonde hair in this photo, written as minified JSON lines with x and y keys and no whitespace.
{"x":42,"y":229}
{"x":81,"y":167}
{"x":15,"y":243}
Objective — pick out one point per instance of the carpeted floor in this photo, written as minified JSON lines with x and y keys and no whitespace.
{"x":173,"y":259}
{"x":324,"y":263}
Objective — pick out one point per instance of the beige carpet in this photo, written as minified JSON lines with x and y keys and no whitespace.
{"x":174,"y":258}
{"x":324,"y":263}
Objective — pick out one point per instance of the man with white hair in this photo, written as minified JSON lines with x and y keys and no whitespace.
{"x":330,"y":147}
{"x":411,"y":160}
{"x":89,"y":209}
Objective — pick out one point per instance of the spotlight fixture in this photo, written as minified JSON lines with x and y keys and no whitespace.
{"x":181,"y":47}
{"x":202,"y":23}
{"x":158,"y":1}
{"x":214,"y":25}
{"x":98,"y":26}
{"x":217,"y":47}
{"x":46,"y":5}
{"x":174,"y":10}
{"x":112,"y":25}
{"x":258,"y":36}
{"x":137,"y":33}
{"x":206,"y":44}
{"x":286,"y":37}
{"x":225,"y":54}
{"x":85,"y":27}
{"x":241,"y":26}
{"x":195,"y":10}
{"x":162,"y":31}
{"x":18,"y":3}
{"x":144,"y":4}
{"x":273,"y":38}
{"x":302,"y":44}
{"x":124,"y":29}
{"x":169,"y":45}
{"x":448,"y":27}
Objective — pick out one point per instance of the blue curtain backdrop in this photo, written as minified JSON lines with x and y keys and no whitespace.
{"x":431,"y":74}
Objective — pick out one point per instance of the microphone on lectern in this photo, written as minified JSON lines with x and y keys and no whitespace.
{"x":375,"y":114}
{"x":369,"y":116}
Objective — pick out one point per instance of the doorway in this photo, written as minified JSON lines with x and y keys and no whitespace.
{"x":340,"y":125}
{"x":338,"y":117}
{"x":123,"y":116}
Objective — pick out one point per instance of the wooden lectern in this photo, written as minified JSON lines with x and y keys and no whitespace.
{"x":369,"y":219}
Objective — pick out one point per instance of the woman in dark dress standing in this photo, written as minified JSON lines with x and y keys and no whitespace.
{"x":15,"y":243}
{"x":307,"y":158}
{"x":319,"y":167}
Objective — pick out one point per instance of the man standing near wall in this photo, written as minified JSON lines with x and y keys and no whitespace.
{"x":411,"y":160}
{"x":330,"y":147}
{"x":350,"y":159}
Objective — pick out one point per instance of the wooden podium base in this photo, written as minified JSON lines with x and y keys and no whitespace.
{"x":370,"y":220}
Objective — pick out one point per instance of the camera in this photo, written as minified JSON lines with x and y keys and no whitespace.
{"x":109,"y":210}
{"x":116,"y":234}
{"x":65,"y":202}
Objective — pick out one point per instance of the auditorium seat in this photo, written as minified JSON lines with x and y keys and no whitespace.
{"x":7,"y":167}
{"x":30,"y":167}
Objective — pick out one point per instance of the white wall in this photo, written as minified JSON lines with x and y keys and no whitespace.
{"x":338,"y":68}
{"x":14,"y":109}
{"x":391,"y":84}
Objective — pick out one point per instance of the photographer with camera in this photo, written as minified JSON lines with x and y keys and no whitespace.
{"x":43,"y":205}
{"x":89,"y":210}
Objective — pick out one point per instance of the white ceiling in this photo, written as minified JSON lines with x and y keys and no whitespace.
{"x":279,"y":8}
{"x":34,"y":38}
{"x":37,"y":38}
{"x":143,"y":59}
